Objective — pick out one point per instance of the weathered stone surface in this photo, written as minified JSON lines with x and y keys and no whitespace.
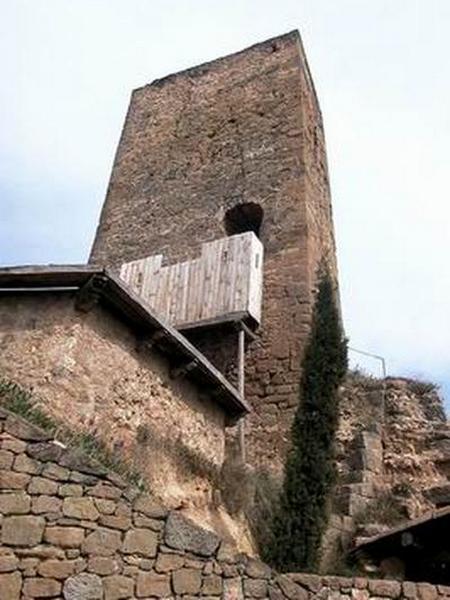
{"x":212,"y":585}
{"x":6,"y":459}
{"x":24,"y":430}
{"x":290,"y":589}
{"x":77,"y":461}
{"x":8,"y":561}
{"x":150,"y":507}
{"x":380,"y":587}
{"x":66,"y":537}
{"x":80,"y":508}
{"x":46,"y":504}
{"x":154,"y":524}
{"x":427,"y":591}
{"x":117,"y":587}
{"x":183,"y":534}
{"x":54,"y":471}
{"x":22,"y":531}
{"x":109,"y":492}
{"x":10,"y":480}
{"x":45,"y":451}
{"x":307,"y":580}
{"x":12,"y":444}
{"x":255,"y":588}
{"x":153,"y":585}
{"x":70,"y":489}
{"x":257,"y":569}
{"x":103,"y":565}
{"x":14,"y":504}
{"x":85,"y":586}
{"x":57,"y":569}
{"x":36,"y":587}
{"x":115,"y":522}
{"x":41,"y":485}
{"x":25,"y":464}
{"x":10,"y":585}
{"x":102,"y":541}
{"x":168,"y":562}
{"x":186,"y":581}
{"x":409,"y":589}
{"x":40,"y":552}
{"x":232,"y":589}
{"x":140,"y":541}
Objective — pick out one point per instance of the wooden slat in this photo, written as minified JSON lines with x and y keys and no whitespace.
{"x":222,"y":282}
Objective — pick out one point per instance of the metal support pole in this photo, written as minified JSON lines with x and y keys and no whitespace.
{"x":241,"y":388}
{"x":383,"y":369}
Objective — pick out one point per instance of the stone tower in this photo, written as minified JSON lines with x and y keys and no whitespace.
{"x":221,"y":148}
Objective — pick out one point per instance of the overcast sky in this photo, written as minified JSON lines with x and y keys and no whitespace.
{"x":382,"y":71}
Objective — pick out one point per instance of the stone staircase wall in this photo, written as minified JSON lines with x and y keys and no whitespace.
{"x":70,"y":529}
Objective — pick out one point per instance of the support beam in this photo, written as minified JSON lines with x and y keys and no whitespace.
{"x":241,"y":388}
{"x":90,"y":293}
{"x":183,"y":369}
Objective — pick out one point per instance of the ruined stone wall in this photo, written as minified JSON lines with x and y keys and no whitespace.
{"x":243,"y":129}
{"x":392,"y":443}
{"x":88,"y":374}
{"x":69,"y":529}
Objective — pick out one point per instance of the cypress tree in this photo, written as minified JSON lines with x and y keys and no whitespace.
{"x":310,"y":466}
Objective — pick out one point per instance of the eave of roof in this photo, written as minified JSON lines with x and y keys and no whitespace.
{"x":410,"y":525}
{"x":115,"y":294}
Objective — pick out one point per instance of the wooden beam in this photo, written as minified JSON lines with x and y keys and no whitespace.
{"x":89,"y":295}
{"x":183,"y":369}
{"x":47,"y":276}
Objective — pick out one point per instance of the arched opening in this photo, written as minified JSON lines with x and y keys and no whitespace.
{"x":244,"y":217}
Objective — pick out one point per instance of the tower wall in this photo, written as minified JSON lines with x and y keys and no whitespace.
{"x":242,"y":129}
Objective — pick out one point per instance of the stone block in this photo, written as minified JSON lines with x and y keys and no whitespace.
{"x":103,"y":565}
{"x":45,"y":451}
{"x":65,"y":537}
{"x":10,"y":480}
{"x":291,"y":589}
{"x":232,"y":589}
{"x":106,"y":507}
{"x":154,"y":585}
{"x":6,"y":459}
{"x":10,"y":586}
{"x":102,"y":541}
{"x":186,"y":581}
{"x":8,"y":561}
{"x":109,"y":492}
{"x":166,"y":563}
{"x":12,"y":444}
{"x":71,"y":489}
{"x":426,"y":591}
{"x":22,"y":531}
{"x":37,"y":587}
{"x":154,"y":524}
{"x":381,"y":587}
{"x":117,"y":587}
{"x":84,"y":586}
{"x":140,"y":541}
{"x":25,"y":464}
{"x":115,"y":522}
{"x":257,"y":569}
{"x":41,"y":485}
{"x":54,"y":471}
{"x":25,"y":430}
{"x":183,"y":534}
{"x":40,"y":552}
{"x":46,"y":504}
{"x":80,"y":508}
{"x":255,"y":588}
{"x":15,"y":504}
{"x":212,"y":585}
{"x":150,"y":507}
{"x":57,"y":569}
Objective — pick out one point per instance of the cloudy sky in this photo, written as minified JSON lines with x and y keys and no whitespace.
{"x":382,"y":71}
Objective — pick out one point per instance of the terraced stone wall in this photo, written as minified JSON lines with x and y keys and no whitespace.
{"x":69,"y":529}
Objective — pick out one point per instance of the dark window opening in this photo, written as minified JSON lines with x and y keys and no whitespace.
{"x":244,"y":217}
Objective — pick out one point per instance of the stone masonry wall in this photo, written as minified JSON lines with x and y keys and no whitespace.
{"x":71,"y":530}
{"x":88,"y":374}
{"x":246,"y":128}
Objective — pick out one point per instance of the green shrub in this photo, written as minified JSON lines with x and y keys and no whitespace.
{"x":310,"y":467}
